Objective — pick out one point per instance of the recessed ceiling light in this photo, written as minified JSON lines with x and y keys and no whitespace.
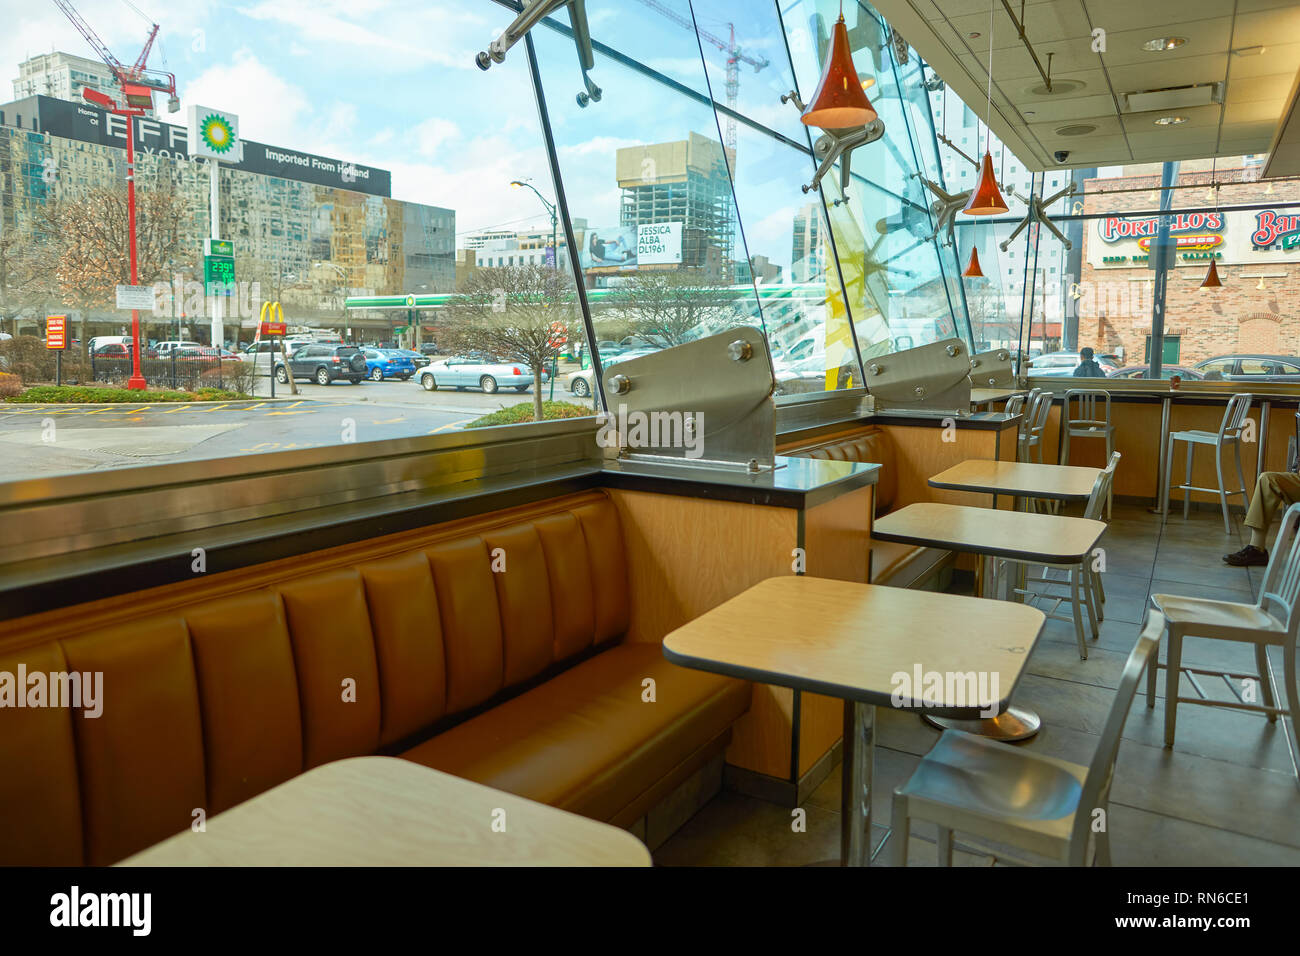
{"x":1079,"y":129}
{"x":1171,"y":120}
{"x":1164,"y":44}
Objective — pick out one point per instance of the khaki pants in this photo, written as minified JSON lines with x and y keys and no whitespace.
{"x":1274,"y":491}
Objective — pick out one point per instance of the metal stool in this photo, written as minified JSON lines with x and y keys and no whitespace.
{"x":1234,"y":420}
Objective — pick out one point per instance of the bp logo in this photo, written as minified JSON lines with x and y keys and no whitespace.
{"x":217,"y":133}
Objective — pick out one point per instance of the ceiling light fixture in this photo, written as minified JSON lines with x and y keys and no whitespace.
{"x":985,"y":199}
{"x":840,"y":100}
{"x":1211,"y":280}
{"x":1171,"y":120}
{"x":973,"y":270}
{"x":1164,"y":44}
{"x":1251,"y":51}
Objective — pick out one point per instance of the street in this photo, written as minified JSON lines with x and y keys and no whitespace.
{"x":38,"y":440}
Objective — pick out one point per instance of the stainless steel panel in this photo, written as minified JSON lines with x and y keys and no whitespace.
{"x":933,"y":378}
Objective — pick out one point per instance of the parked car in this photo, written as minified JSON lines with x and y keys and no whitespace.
{"x":580,"y":383}
{"x":1061,"y":364}
{"x":388,"y":363}
{"x":98,"y":341}
{"x":113,"y":350}
{"x":1166,"y":372}
{"x":1251,"y":368}
{"x":429,"y":348}
{"x":323,"y":364}
{"x":477,"y":372}
{"x":420,"y":360}
{"x":203,"y":353}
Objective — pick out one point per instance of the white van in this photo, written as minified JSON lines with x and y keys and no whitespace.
{"x":165,"y":348}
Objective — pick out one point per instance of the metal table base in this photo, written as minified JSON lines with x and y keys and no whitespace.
{"x":856,"y":783}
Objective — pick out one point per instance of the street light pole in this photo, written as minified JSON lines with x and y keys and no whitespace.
{"x":552,"y":209}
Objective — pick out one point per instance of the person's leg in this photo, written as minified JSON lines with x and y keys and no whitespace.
{"x":1274,"y":491}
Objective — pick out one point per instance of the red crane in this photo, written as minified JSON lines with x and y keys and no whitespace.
{"x":138,"y":83}
{"x":735,"y":56}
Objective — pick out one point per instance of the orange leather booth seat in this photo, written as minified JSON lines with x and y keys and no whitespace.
{"x":900,"y":565}
{"x":209,"y":705}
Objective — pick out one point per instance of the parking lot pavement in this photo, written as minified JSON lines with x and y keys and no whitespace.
{"x":396,"y":392}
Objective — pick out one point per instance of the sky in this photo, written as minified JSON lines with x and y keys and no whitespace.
{"x":394,"y":85}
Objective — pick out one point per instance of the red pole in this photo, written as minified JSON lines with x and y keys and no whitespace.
{"x":137,"y":379}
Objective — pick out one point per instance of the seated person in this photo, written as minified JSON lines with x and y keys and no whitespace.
{"x":1088,"y":367}
{"x":1274,"y":491}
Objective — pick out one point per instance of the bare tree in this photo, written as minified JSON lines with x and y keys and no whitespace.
{"x":669,"y":307}
{"x":91,"y":233}
{"x":513,"y":314}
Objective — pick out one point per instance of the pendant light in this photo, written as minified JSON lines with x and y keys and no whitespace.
{"x":840,"y":100}
{"x":986,"y":200}
{"x":973,"y":270}
{"x":1211,"y":280}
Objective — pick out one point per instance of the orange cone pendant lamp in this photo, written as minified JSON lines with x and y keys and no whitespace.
{"x":986,"y":200}
{"x":840,"y":100}
{"x":1212,"y":277}
{"x":973,"y":270}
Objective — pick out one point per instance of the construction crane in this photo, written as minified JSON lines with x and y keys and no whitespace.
{"x":735,"y":56}
{"x":138,"y":83}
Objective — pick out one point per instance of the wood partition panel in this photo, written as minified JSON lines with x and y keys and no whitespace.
{"x":687,"y":555}
{"x":920,"y":452}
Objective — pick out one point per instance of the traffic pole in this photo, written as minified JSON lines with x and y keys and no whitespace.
{"x":136,"y":381}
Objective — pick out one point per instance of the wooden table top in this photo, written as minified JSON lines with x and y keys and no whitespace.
{"x":979,"y":396}
{"x":849,"y":640}
{"x":1019,"y":478}
{"x":385,"y":811}
{"x":1049,"y":539}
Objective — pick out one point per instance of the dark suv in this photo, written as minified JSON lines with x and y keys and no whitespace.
{"x":324,"y":363}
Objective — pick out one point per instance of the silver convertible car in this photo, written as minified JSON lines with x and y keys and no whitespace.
{"x":460,"y":372}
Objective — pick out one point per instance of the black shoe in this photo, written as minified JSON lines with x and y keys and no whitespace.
{"x":1248,"y":557}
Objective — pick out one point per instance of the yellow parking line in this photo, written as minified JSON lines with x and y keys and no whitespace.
{"x":443,"y":428}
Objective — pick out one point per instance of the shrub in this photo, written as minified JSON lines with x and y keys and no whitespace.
{"x":94,"y":394}
{"x":523,"y":412}
{"x":10,"y":385}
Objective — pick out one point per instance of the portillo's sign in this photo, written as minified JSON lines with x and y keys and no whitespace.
{"x":1241,"y":236}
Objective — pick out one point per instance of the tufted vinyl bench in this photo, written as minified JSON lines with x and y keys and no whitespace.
{"x":518,"y":679}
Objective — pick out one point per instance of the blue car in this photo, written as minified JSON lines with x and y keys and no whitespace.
{"x":388,"y":363}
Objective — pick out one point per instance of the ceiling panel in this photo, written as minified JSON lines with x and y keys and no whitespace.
{"x":1257,"y":88}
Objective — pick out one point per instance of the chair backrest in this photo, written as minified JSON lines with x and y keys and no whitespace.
{"x":1281,"y":586}
{"x":1041,"y":411}
{"x":1101,"y":489}
{"x":1234,"y":416}
{"x":1031,"y":403}
{"x":1017,"y":402}
{"x":1101,"y":770}
{"x":1084,"y":400}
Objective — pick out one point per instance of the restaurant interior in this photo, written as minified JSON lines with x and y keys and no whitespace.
{"x":957,"y":596}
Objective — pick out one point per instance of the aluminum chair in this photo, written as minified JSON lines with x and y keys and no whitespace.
{"x":1039,"y":804}
{"x":1027,"y":405}
{"x":1229,"y":433}
{"x":1015,"y":405}
{"x":1082,"y":421}
{"x":1086,"y":594}
{"x":1037,"y":411}
{"x":1272,"y":621}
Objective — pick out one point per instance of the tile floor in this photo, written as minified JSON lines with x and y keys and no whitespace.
{"x":1225,"y":795}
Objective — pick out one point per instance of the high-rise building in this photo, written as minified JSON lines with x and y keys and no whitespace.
{"x":684,"y":181}
{"x":63,"y":76}
{"x":808,"y":251}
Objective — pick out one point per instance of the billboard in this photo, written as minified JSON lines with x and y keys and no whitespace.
{"x":609,"y":247}
{"x":212,"y":134}
{"x":659,"y":243}
{"x":89,"y":124}
{"x":626,"y":247}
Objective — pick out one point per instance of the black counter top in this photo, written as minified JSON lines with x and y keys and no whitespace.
{"x":794,"y":483}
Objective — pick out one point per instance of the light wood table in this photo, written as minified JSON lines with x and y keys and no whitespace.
{"x":987,"y":396}
{"x":1019,"y":479}
{"x":384,"y":811}
{"x":1034,"y":538}
{"x":854,"y":641}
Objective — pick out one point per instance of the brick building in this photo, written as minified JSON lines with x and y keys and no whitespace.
{"x":1257,"y":251}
